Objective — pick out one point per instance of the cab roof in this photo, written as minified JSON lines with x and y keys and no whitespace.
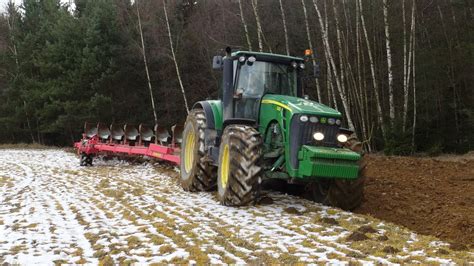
{"x":268,"y":57}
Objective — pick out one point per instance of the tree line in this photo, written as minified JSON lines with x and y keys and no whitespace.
{"x":399,"y":71}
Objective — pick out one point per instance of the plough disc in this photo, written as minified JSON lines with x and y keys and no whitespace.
{"x":129,"y":140}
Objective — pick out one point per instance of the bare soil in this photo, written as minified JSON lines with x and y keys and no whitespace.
{"x":432,"y":196}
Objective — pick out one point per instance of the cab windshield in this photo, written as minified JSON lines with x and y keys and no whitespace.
{"x":261,"y":78}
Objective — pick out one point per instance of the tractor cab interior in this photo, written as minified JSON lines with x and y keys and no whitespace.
{"x":255,"y":79}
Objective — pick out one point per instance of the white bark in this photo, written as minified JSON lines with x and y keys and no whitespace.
{"x":405,"y":68}
{"x":247,"y":35}
{"x":389,"y":63}
{"x":408,"y":70}
{"x":372,"y":70}
{"x":339,"y":45}
{"x":11,"y":25}
{"x":414,"y":78}
{"x":285,"y":30}
{"x":310,"y":45}
{"x":174,"y":57}
{"x":146,"y":64}
{"x":259,"y":26}
{"x":333,"y":65}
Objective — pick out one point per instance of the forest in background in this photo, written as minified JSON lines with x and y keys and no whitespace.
{"x":400,"y":72}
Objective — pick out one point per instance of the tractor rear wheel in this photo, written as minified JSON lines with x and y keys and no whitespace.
{"x":239,"y":170}
{"x":341,"y":193}
{"x":196,"y":172}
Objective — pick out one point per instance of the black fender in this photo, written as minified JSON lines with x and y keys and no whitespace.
{"x":206,"y":107}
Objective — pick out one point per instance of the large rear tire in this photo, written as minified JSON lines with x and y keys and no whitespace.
{"x":197,"y":174}
{"x":342,"y":193}
{"x":239,"y":170}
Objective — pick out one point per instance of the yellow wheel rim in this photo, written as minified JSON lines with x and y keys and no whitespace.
{"x":189,"y":151}
{"x":225,"y":166}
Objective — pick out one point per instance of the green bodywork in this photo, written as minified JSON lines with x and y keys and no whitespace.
{"x":314,"y":161}
{"x":344,"y":162}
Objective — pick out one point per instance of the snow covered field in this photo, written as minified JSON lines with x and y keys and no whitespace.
{"x":54,"y":211}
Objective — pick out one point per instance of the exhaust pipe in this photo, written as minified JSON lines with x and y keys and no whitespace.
{"x":228,"y":86}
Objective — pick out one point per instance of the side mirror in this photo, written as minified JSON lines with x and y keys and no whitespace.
{"x":217,"y":62}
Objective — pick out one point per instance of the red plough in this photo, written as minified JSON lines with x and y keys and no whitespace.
{"x":127,"y":140}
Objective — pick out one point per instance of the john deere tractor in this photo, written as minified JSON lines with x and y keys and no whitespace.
{"x":263,"y":127}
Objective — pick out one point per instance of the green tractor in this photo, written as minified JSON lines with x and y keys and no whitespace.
{"x":262,"y":127}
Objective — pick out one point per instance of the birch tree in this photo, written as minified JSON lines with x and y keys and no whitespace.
{"x":339,"y":46}
{"x":174,"y":57}
{"x":242,"y":18}
{"x":285,"y":30}
{"x":333,"y":65}
{"x":405,"y":67}
{"x":389,"y":63}
{"x":407,"y":72}
{"x":310,"y":45}
{"x":259,"y":26}
{"x":11,"y":24}
{"x":140,"y":29}
{"x":372,"y":71}
{"x":414,"y":76}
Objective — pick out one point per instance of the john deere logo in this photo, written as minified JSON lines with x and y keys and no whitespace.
{"x":323,"y":120}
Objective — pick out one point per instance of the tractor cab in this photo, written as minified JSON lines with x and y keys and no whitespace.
{"x":258,"y":74}
{"x":255,"y":74}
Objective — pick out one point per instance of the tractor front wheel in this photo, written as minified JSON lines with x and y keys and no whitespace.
{"x":239,"y":165}
{"x":196,"y":173}
{"x":341,"y":193}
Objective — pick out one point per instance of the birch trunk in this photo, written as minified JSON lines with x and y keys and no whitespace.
{"x":333,"y":65}
{"x":247,"y":36}
{"x":174,"y":58}
{"x":11,"y":25}
{"x":140,"y":29}
{"x":329,"y":69}
{"x":283,"y":18}
{"x":414,"y":78}
{"x":339,"y":46}
{"x":372,"y":70}
{"x":409,"y":64}
{"x":405,"y":68}
{"x":310,"y":45}
{"x":389,"y":63}
{"x":259,"y":26}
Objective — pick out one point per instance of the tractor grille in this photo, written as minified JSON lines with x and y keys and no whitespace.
{"x":301,"y":133}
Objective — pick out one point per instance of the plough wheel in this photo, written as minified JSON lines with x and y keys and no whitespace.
{"x":86,"y":159}
{"x":345,"y":194}
{"x":239,"y":170}
{"x":196,"y":173}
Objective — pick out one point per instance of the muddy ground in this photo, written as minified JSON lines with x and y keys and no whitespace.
{"x":53,"y":210}
{"x":432,"y":196}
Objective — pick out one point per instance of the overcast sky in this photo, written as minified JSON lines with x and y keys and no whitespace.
{"x":3,"y":4}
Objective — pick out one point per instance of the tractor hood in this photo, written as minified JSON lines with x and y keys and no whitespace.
{"x":300,"y":106}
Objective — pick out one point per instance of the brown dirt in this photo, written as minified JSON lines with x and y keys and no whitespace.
{"x":432,"y":196}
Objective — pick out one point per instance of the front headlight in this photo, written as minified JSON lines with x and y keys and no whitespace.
{"x":318,"y":136}
{"x":304,"y":118}
{"x":341,"y":138}
{"x":331,"y":121}
{"x":313,"y":119}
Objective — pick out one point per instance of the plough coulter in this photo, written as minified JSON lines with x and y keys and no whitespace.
{"x":129,"y":140}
